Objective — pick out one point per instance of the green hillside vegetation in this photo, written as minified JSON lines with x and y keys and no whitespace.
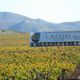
{"x":18,"y":61}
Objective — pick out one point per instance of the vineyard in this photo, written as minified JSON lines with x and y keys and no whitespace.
{"x":18,"y":61}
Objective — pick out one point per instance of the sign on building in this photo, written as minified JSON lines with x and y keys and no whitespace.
{"x":62,"y":38}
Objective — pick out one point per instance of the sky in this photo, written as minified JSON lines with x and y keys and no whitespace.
{"x":55,"y":11}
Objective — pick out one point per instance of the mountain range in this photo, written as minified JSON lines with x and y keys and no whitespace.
{"x":20,"y":23}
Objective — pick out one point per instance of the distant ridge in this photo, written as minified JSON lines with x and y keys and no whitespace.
{"x":19,"y":23}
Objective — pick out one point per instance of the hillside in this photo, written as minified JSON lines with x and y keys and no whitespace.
{"x":20,"y":23}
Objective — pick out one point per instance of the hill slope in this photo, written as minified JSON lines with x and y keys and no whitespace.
{"x":16,"y":22}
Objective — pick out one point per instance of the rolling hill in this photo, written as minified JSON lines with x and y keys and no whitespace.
{"x":19,"y":23}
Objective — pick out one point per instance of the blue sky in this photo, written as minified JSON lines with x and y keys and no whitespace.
{"x":55,"y":11}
